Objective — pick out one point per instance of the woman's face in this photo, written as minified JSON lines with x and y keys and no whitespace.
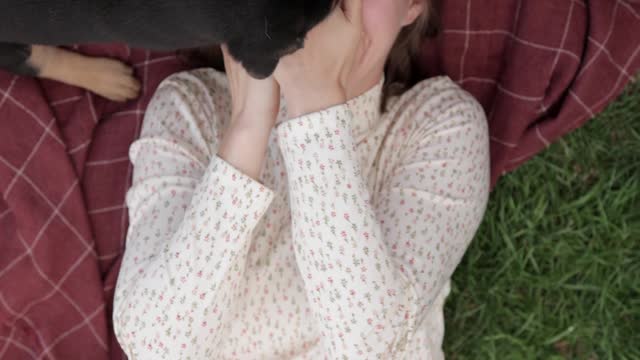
{"x":383,"y":20}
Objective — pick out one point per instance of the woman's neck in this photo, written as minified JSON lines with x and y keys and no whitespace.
{"x":365,"y":83}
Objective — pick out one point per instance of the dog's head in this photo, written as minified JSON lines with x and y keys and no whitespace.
{"x":277,"y":29}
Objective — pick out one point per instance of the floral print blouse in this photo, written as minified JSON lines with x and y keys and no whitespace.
{"x":342,"y":250}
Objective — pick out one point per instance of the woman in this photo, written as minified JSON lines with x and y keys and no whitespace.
{"x":323,"y":228}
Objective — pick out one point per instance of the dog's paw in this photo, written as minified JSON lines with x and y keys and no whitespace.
{"x":108,"y":78}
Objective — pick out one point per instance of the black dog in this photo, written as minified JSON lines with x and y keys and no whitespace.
{"x":257,"y":32}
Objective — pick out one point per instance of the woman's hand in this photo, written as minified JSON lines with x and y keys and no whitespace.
{"x":315,"y":77}
{"x":253,"y":102}
{"x":254,"y":109}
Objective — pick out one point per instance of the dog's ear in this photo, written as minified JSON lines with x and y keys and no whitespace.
{"x":261,"y":69}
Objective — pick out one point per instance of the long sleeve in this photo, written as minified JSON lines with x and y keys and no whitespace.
{"x":191,"y":217}
{"x":373,"y":263}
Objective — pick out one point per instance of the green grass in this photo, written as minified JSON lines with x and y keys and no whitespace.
{"x":554,"y":272}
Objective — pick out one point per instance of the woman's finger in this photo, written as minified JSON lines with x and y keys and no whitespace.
{"x":226,"y":57}
{"x":353,"y":11}
{"x":224,"y":49}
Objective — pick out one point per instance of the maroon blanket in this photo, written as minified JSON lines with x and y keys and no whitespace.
{"x":540,"y":68}
{"x":64,"y":171}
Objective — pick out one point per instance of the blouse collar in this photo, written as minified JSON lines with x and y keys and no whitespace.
{"x":366,"y":110}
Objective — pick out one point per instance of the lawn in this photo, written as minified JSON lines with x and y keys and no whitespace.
{"x":554,"y":272}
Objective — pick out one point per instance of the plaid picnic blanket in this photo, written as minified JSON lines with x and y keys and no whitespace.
{"x":539,"y":67}
{"x":64,"y":171}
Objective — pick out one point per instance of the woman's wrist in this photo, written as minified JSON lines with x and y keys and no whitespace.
{"x":253,"y":121}
{"x":244,"y":146}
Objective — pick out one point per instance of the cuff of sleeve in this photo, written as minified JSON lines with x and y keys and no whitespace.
{"x":242,"y":197}
{"x":312,"y":138}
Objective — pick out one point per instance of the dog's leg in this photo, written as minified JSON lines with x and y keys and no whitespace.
{"x":106,"y":77}
{"x":14,"y":58}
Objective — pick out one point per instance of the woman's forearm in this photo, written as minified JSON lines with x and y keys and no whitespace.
{"x":244,"y":145}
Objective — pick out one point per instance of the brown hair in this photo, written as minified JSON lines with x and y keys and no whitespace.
{"x":402,"y":69}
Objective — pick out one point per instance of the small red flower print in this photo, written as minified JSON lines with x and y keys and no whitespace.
{"x":232,"y":209}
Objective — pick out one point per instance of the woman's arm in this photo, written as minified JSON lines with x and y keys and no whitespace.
{"x":191,"y":217}
{"x":373,"y":263}
{"x":254,"y":108}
